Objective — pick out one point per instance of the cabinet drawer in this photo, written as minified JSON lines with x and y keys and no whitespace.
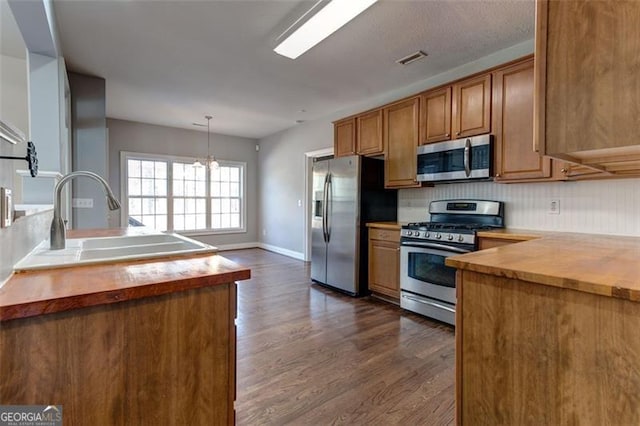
{"x":384,"y":234}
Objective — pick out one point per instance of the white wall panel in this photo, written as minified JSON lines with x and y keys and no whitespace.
{"x":599,"y":207}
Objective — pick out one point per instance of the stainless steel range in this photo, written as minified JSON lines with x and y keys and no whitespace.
{"x":427,"y":285}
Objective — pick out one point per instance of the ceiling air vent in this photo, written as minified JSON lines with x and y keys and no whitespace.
{"x":411,"y":58}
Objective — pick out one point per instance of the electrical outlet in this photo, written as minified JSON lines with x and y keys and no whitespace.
{"x":82,"y":203}
{"x":299,"y":203}
{"x":264,"y":232}
{"x":6,"y":208}
{"x":554,"y":207}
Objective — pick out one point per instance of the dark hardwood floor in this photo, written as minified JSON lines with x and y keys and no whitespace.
{"x":309,"y":355}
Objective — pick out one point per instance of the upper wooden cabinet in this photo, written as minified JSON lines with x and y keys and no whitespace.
{"x":369,"y":133}
{"x":512,"y":125}
{"x":587,"y":83}
{"x":401,"y":125}
{"x":435,"y":116}
{"x":471,"y":107}
{"x":344,"y":137}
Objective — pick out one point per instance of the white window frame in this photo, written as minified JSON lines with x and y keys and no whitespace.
{"x":170,"y":159}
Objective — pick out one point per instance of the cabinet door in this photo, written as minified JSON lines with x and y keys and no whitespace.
{"x":471,"y":108}
{"x":344,"y":137}
{"x":401,"y":143}
{"x":513,"y":125}
{"x":384,"y":267}
{"x":587,"y":66}
{"x":369,"y":133}
{"x":435,"y":116}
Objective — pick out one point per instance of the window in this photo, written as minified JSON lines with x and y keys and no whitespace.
{"x":169,"y":193}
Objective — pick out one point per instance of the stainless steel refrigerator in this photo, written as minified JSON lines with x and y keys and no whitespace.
{"x":347,"y":193}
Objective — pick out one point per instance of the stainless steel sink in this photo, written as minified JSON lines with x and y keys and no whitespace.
{"x":83,"y":251}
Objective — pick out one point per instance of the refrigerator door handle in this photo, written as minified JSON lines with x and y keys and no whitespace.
{"x":324,"y":208}
{"x":329,"y":205}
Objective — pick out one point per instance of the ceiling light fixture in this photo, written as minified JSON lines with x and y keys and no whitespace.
{"x":210,"y":161}
{"x":321,"y":25}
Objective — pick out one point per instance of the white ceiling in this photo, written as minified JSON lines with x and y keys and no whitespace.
{"x":172,"y":62}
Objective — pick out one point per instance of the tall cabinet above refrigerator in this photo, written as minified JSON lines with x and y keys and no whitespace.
{"x":348,"y":192}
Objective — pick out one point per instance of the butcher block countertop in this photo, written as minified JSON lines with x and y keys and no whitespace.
{"x":395,"y":226}
{"x":598,"y":264}
{"x":35,"y":293}
{"x":514,"y":234}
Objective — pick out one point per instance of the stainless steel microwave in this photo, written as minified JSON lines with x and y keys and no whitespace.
{"x":460,"y":159}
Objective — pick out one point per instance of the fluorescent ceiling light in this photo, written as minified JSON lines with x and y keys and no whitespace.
{"x":321,"y":25}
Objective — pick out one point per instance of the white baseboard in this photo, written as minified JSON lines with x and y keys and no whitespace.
{"x":283,"y":251}
{"x":238,"y":246}
{"x":268,"y":247}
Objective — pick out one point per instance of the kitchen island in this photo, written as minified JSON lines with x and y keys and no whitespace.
{"x":146,"y":342}
{"x":547,"y":332}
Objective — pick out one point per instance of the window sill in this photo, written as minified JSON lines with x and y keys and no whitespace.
{"x":211,"y":232}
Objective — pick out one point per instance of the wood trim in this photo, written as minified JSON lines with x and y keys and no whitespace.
{"x":233,"y":314}
{"x":540,"y":77}
{"x":459,"y":341}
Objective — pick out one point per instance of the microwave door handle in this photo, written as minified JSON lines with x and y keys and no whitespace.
{"x":467,"y":153}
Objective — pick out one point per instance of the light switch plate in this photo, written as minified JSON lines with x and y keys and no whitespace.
{"x":6,"y":208}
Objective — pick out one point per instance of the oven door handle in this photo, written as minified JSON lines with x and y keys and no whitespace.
{"x":436,"y":246}
{"x":428,"y":302}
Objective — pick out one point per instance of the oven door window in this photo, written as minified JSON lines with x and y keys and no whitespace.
{"x":430,"y":268}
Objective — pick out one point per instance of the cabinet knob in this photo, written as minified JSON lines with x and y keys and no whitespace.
{"x":447,"y":135}
{"x":457,"y":133}
{"x":564,"y":171}
{"x":497,"y":174}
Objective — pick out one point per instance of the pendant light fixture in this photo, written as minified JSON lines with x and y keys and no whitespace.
{"x":210,"y":162}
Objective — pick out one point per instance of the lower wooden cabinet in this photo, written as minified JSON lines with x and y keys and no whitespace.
{"x":384,"y":262}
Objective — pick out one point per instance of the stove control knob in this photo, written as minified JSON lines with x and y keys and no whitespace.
{"x":460,"y":238}
{"x":438,"y":236}
{"x":450,"y":237}
{"x":409,"y":233}
{"x":427,"y":234}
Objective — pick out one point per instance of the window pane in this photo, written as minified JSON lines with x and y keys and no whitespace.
{"x":178,"y":171}
{"x":224,"y":189}
{"x":161,"y":223}
{"x":161,"y":170}
{"x":201,"y":189}
{"x":178,"y":222}
{"x":234,"y":189}
{"x":190,"y":205}
{"x":135,"y":206}
{"x":134,"y":187}
{"x":189,"y":188}
{"x":215,"y":189}
{"x":225,"y":205}
{"x":147,"y":186}
{"x":224,"y":174}
{"x":235,"y":206}
{"x":215,"y":205}
{"x":133,"y":168}
{"x":215,"y":221}
{"x":201,"y":221}
{"x":201,"y":173}
{"x":148,"y":206}
{"x":189,"y":172}
{"x":148,"y":168}
{"x":225,"y":220}
{"x":190,"y":221}
{"x":235,"y":220}
{"x":234,"y":174}
{"x":178,"y":205}
{"x":161,"y":206}
{"x":178,"y":188}
{"x":215,"y":174}
{"x":201,"y":205}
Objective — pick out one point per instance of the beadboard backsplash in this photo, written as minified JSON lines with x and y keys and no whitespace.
{"x":598,"y":207}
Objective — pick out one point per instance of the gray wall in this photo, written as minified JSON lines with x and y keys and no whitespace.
{"x":88,"y":111}
{"x":282,"y":154}
{"x":146,"y":138}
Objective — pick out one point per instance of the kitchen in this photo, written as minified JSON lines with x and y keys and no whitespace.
{"x":598,"y":206}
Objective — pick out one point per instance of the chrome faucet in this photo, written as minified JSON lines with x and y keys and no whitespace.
{"x":58,"y":235}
